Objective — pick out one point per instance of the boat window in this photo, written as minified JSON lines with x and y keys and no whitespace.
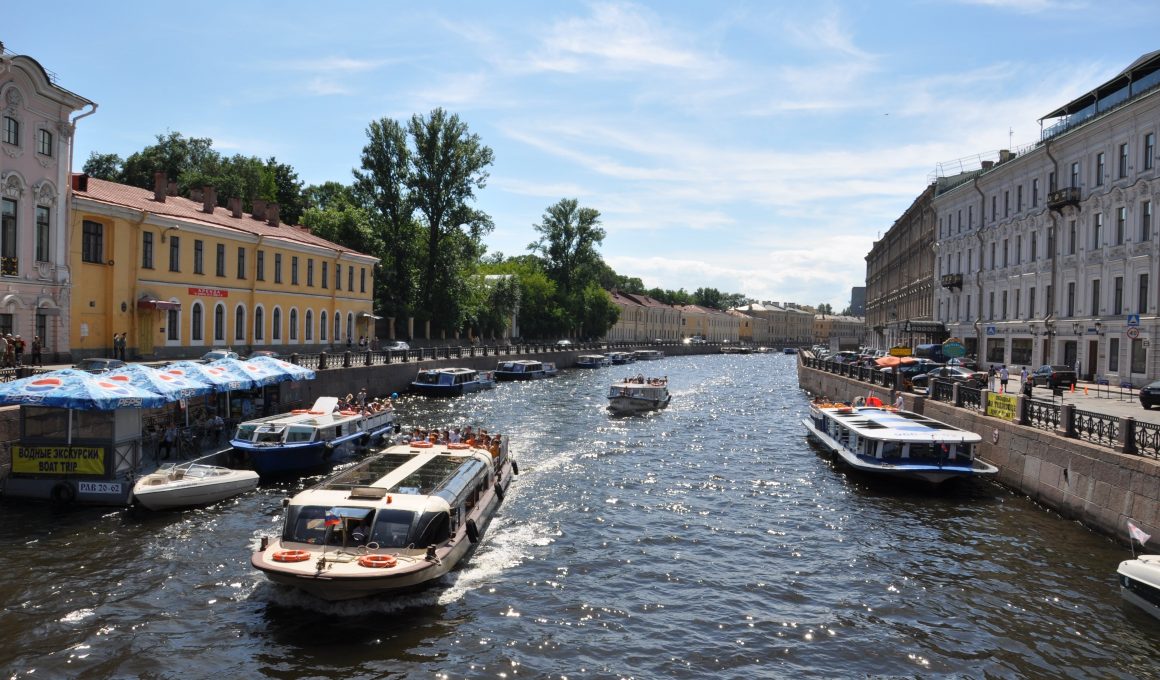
{"x":245,"y":432}
{"x":891,"y":450}
{"x":299,"y":434}
{"x":269,"y":434}
{"x":428,"y":378}
{"x":392,"y":528}
{"x":446,"y":379}
{"x":307,"y":524}
{"x":434,"y":527}
{"x":923,"y":452}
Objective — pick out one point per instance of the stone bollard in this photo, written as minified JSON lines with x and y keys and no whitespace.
{"x":1126,"y":442}
{"x":322,"y":356}
{"x":956,"y":398}
{"x":346,"y":359}
{"x":1022,"y":411}
{"x":367,"y":358}
{"x":1067,"y":420}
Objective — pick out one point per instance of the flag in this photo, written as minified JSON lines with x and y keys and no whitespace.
{"x":1135,"y":532}
{"x":332,"y":518}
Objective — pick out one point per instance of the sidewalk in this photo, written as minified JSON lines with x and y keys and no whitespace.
{"x":1089,"y":396}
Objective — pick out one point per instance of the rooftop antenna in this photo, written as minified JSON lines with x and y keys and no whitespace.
{"x":1010,"y":137}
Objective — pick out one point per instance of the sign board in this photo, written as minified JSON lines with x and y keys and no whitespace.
{"x":953,"y":348}
{"x":1133,"y":319}
{"x":1133,"y":332}
{"x":209,"y":292}
{"x":59,"y":460}
{"x":990,"y":330}
{"x":1001,"y":406}
{"x":900,"y":351}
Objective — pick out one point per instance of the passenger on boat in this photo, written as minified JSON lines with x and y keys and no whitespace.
{"x":495,"y":446}
{"x":898,"y":403}
{"x":455,"y":439}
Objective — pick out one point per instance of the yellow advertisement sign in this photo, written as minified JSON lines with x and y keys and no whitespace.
{"x":1001,"y":406}
{"x":59,"y":460}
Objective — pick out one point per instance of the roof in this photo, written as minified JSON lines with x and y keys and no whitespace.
{"x":1143,"y":66}
{"x":177,"y":207}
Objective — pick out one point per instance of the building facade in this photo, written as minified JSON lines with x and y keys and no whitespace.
{"x":36,"y":137}
{"x":180,"y":276}
{"x":839,"y":332}
{"x":643,"y":319}
{"x":1050,"y":255}
{"x":899,"y":279}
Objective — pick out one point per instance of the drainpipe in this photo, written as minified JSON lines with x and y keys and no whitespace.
{"x":1049,"y":318}
{"x":134,"y":321}
{"x":979,"y":274}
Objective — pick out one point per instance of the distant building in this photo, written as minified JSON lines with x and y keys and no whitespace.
{"x":643,"y":319}
{"x":858,"y":301}
{"x":839,"y":332}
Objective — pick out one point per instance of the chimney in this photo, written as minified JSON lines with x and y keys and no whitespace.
{"x":210,"y":196}
{"x":272,"y":214}
{"x":195,"y":195}
{"x":159,"y":186}
{"x":80,"y":182}
{"x":987,"y":165}
{"x":259,"y":211}
{"x":171,"y":190}
{"x":1005,"y":155}
{"x":235,"y":206}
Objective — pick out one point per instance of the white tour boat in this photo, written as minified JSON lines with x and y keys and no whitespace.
{"x":884,"y":441}
{"x":1140,"y":582}
{"x":191,"y":484}
{"x":648,"y":355}
{"x":592,"y":361}
{"x":638,"y":395}
{"x":524,"y":369}
{"x":397,"y":521}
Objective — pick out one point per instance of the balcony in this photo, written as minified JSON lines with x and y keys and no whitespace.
{"x":1061,"y":198}
{"x":952,"y":281}
{"x":9,"y":266}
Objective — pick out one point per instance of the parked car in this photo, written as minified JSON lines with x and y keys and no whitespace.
{"x":910,"y":371}
{"x":397,"y":346}
{"x":695,"y":340}
{"x":215,"y":354}
{"x":957,"y":374}
{"x":564,"y":343}
{"x":263,"y":353}
{"x":968,"y":363}
{"x":1150,"y":395}
{"x":97,"y":365}
{"x":1053,"y":377}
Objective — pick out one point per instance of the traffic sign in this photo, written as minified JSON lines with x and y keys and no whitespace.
{"x":990,"y":330}
{"x":1133,"y":320}
{"x":1133,"y":332}
{"x":954,"y":349}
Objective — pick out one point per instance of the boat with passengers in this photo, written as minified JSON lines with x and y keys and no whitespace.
{"x":308,"y":439}
{"x":638,"y":395}
{"x":524,"y":369}
{"x":890,"y":442}
{"x":451,"y":382}
{"x":395,"y":522}
{"x":592,"y":361}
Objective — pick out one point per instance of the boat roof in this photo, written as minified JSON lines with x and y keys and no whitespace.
{"x":873,"y":422}
{"x":455,"y":371}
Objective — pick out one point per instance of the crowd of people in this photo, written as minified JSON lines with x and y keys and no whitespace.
{"x":12,"y":351}
{"x":476,"y":439}
{"x":364,"y":405}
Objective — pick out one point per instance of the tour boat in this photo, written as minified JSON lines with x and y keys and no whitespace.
{"x":895,"y":443}
{"x":395,"y":522}
{"x":592,"y":361}
{"x":524,"y":369}
{"x":451,"y":382}
{"x":648,"y":355}
{"x":638,"y":395}
{"x":1140,"y":582}
{"x":307,"y":439}
{"x":621,"y":358}
{"x":191,"y":484}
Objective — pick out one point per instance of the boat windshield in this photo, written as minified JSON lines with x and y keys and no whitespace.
{"x":350,"y":526}
{"x":269,"y":434}
{"x":245,"y":432}
{"x":427,"y":377}
{"x":298,"y":433}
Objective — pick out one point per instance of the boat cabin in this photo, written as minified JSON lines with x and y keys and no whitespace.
{"x":446,"y":377}
{"x":898,"y":436}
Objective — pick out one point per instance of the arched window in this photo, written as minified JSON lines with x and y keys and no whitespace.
{"x":240,"y":324}
{"x":337,"y":328}
{"x":196,"y":323}
{"x":349,"y":325}
{"x":219,"y":323}
{"x":322,"y":326}
{"x":309,"y":325}
{"x":259,"y":318}
{"x":293,"y":325}
{"x":276,"y":326}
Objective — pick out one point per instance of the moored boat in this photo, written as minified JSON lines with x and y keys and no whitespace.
{"x":621,"y":358}
{"x":1140,"y":582}
{"x":524,"y":369}
{"x":638,"y":395}
{"x":307,"y":439}
{"x":648,"y":355}
{"x":895,"y":443}
{"x":395,"y":522}
{"x":451,"y":382}
{"x":191,"y":484}
{"x":592,"y":361}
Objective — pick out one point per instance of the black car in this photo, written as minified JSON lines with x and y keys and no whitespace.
{"x":957,"y":374}
{"x":1053,"y":377}
{"x":1150,"y":395}
{"x":98,"y":365}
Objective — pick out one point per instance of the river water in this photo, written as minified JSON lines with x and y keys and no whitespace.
{"x":709,"y":540}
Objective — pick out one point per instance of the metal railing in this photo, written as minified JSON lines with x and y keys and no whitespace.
{"x":1044,"y":415}
{"x":1096,"y":427}
{"x":1146,"y":438}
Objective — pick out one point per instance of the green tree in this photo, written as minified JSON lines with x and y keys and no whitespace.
{"x":598,"y":312}
{"x":569,"y":237}
{"x":105,"y":166}
{"x":825,"y":308}
{"x":173,"y":154}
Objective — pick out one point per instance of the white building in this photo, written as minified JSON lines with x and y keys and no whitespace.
{"x":1049,"y":255}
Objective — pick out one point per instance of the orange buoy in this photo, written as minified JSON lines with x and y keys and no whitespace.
{"x":421,"y":444}
{"x":291,"y":556}
{"x":458,"y":446}
{"x":378,"y":561}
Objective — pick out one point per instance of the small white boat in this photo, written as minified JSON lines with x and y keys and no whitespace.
{"x":191,"y":484}
{"x":883,"y":441}
{"x":621,"y":358}
{"x":592,"y":361}
{"x":648,"y":355}
{"x":524,"y":369}
{"x":638,"y":395}
{"x":1140,"y":582}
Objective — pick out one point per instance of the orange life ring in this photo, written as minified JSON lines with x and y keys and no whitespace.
{"x":316,"y":413}
{"x":421,"y":444}
{"x":458,"y":446}
{"x":348,"y":413}
{"x":291,"y":556}
{"x":378,"y":561}
{"x":301,"y":410}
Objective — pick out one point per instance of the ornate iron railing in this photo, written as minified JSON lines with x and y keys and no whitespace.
{"x":1147,"y":438}
{"x":1096,"y":427}
{"x":971,"y":398}
{"x":942,"y":390}
{"x":1042,"y":414}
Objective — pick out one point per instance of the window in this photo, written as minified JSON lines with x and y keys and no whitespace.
{"x":259,"y":317}
{"x":260,"y":274}
{"x":1035,"y":193}
{"x":1113,"y":355}
{"x":1149,"y":150}
{"x":322,"y":325}
{"x":1048,"y":302}
{"x":293,"y":325}
{"x":1031,"y":303}
{"x":294,"y":270}
{"x":9,"y":263}
{"x":970,"y":217}
{"x":1006,"y":204}
{"x":1118,"y":295}
{"x":1050,"y":243}
{"x":1071,"y":298}
{"x":276,"y":326}
{"x":1051,"y":182}
{"x":1139,"y":355}
{"x":309,"y":328}
{"x":11,"y":131}
{"x":993,"y":244}
{"x":1075,"y":175}
{"x":1142,"y":295}
{"x":241,"y":262}
{"x":350,"y":283}
{"x":1006,"y":250}
{"x":325,"y":272}
{"x":172,"y":326}
{"x":221,"y":259}
{"x":1018,"y":301}
{"x":92,"y":242}
{"x":1034,"y":245}
{"x":1121,"y":222}
{"x":1019,"y":198}
{"x":198,"y":257}
{"x":240,"y":323}
{"x":1071,"y":237}
{"x":196,"y":323}
{"x":337,"y":327}
{"x":1122,"y":169}
{"x":349,"y":323}
{"x":1100,"y":169}
{"x":1095,"y":301}
{"x":43,"y":232}
{"x":146,"y":250}
{"x":994,"y":208}
{"x":43,"y":142}
{"x":1146,"y":221}
{"x":277,"y":267}
{"x":219,"y":323}
{"x":310,"y":272}
{"x":1097,"y":230}
{"x":1004,"y":305}
{"x":362,"y":285}
{"x":174,"y":253}
{"x":337,"y":280}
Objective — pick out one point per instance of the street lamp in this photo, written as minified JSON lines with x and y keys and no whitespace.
{"x":1099,"y":327}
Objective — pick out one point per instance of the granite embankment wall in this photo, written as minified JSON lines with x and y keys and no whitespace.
{"x":1094,"y":485}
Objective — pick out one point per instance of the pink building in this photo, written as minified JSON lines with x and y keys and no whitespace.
{"x":36,"y":137}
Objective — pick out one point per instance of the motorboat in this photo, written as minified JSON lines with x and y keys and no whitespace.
{"x":621,"y":358}
{"x":889,"y":442}
{"x":736,"y":349}
{"x":789,"y":350}
{"x":524,"y":369}
{"x":648,"y":355}
{"x":1140,"y":582}
{"x":592,"y":361}
{"x":638,"y":395}
{"x":308,"y":439}
{"x":395,"y":522}
{"x":451,"y":382}
{"x":191,"y":484}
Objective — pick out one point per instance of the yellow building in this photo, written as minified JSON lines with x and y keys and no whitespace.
{"x":181,"y":276}
{"x":643,"y":319}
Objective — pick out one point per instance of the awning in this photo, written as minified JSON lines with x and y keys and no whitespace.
{"x":163,"y":305}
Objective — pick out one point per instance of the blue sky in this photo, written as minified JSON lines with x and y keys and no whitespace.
{"x":754,"y":147}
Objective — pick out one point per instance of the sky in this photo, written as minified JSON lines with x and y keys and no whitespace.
{"x":755,"y":147}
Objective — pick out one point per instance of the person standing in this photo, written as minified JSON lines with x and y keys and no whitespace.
{"x":1022,"y":374}
{"x":1004,"y":376}
{"x":991,"y":374}
{"x":168,"y":439}
{"x":37,"y":350}
{"x":18,"y":350}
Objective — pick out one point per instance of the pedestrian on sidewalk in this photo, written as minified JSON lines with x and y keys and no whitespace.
{"x":1023,"y":374}
{"x":1004,"y":376}
{"x":991,"y":374}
